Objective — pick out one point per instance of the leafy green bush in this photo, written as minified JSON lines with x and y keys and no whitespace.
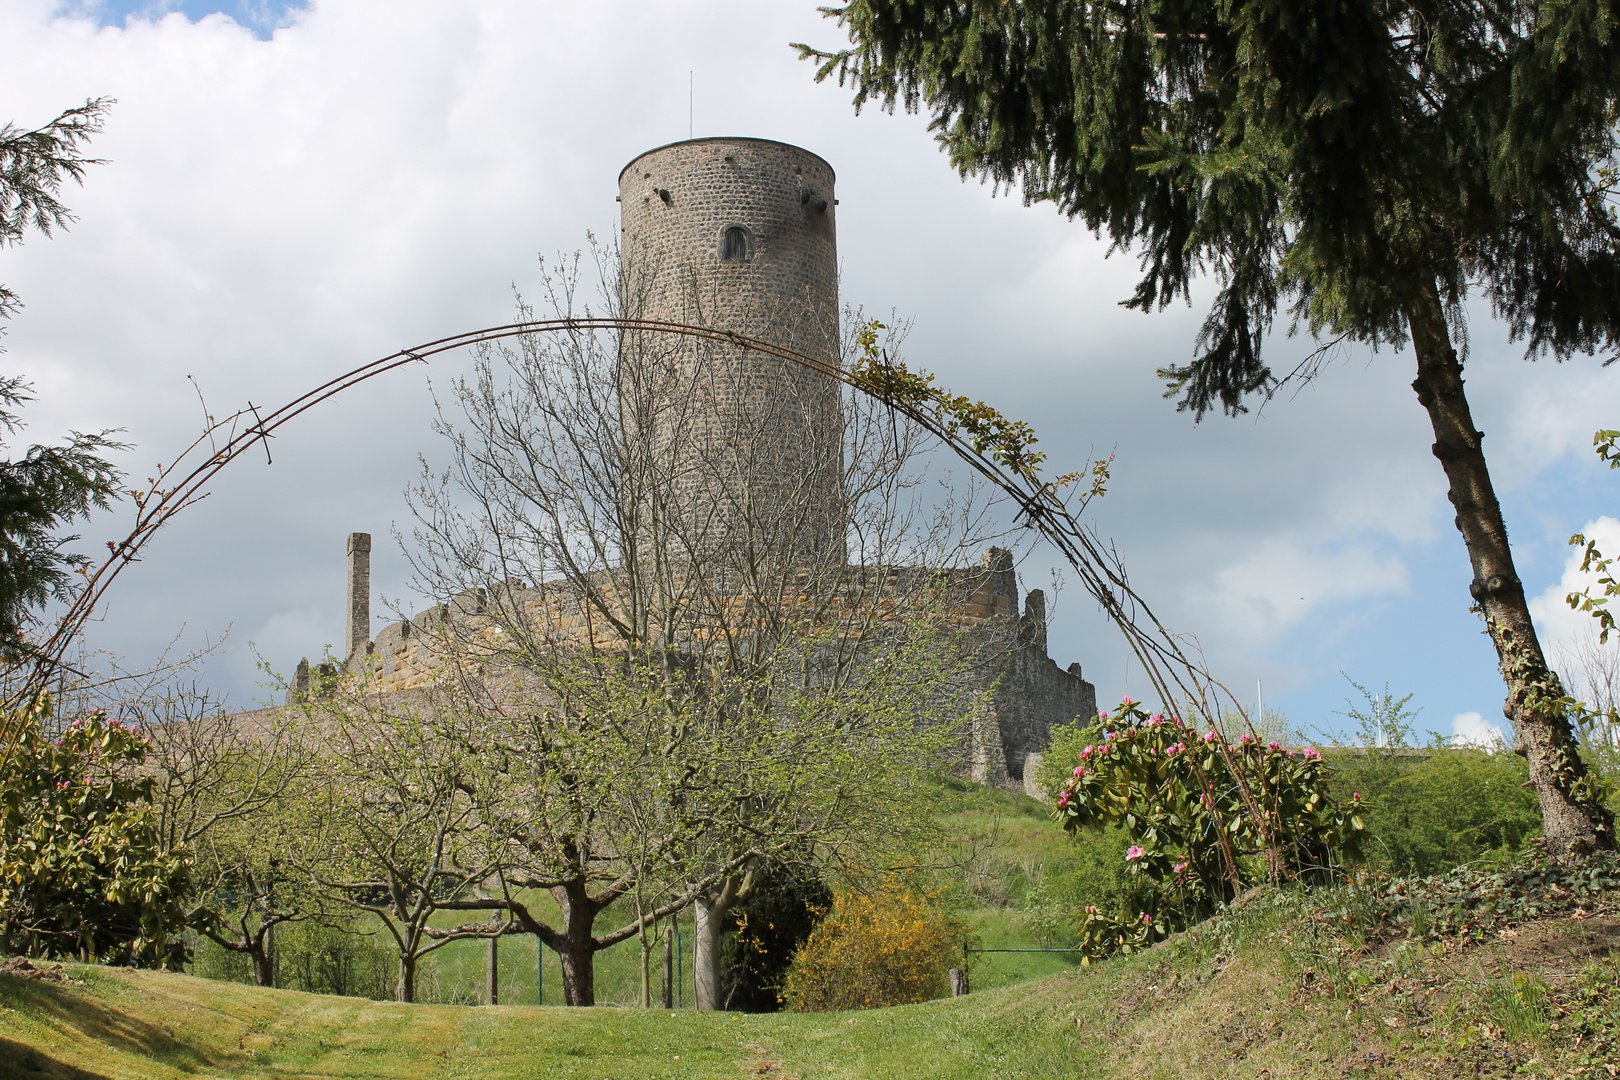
{"x":1432,"y":808}
{"x":1428,"y":811}
{"x":318,"y":959}
{"x":337,"y":960}
{"x":83,"y":869}
{"x":765,"y":931}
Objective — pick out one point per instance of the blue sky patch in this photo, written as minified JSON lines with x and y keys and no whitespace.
{"x":260,"y":16}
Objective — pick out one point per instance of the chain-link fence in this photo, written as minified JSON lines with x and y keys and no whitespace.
{"x":531,"y":974}
{"x":991,"y":968}
{"x":331,"y":961}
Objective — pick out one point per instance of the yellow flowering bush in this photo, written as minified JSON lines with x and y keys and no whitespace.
{"x":892,"y":946}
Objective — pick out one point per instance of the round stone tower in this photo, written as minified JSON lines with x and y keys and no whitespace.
{"x":737,"y":234}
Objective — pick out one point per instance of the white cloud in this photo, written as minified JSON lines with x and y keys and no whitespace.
{"x":1283,"y":580}
{"x":1560,"y":627}
{"x":1470,"y":729}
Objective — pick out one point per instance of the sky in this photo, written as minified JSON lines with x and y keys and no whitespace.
{"x":290,"y":190}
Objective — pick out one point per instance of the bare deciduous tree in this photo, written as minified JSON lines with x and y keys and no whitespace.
{"x":618,"y":510}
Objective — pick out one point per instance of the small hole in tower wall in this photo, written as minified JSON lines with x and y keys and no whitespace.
{"x":735,"y":244}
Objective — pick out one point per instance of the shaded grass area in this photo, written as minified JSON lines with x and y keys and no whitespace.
{"x":1273,"y":989}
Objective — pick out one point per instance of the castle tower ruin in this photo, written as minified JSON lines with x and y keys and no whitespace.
{"x":735,"y":456}
{"x":736,"y":234}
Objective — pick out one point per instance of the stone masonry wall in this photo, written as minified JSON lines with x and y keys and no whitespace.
{"x":755,"y":438}
{"x":1031,"y":693}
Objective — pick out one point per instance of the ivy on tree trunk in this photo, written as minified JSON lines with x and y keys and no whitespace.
{"x":1575,"y":818}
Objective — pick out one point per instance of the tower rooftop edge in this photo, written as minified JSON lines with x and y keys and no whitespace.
{"x":727,"y":139}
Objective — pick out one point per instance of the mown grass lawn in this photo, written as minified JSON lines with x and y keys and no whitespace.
{"x":125,"y":1024}
{"x":1268,"y":991}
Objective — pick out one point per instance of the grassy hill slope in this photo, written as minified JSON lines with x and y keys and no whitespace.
{"x":1278,"y":988}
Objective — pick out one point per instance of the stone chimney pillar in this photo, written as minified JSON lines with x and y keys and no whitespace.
{"x":1035,"y":621}
{"x":359,"y":596}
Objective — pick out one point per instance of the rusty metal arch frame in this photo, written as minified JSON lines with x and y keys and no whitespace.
{"x":1177,"y":676}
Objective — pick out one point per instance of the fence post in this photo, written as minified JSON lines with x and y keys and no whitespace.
{"x":492,"y":968}
{"x":959,"y":976}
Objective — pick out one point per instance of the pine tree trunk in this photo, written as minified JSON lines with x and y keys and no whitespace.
{"x":1575,"y":819}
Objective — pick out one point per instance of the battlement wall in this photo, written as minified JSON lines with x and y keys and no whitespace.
{"x":1030,"y":692}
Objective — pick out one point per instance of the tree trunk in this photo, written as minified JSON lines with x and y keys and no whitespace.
{"x":708,"y":919}
{"x":646,"y":968}
{"x":405,"y":990}
{"x":669,"y":964}
{"x":578,"y":965}
{"x":576,"y":953}
{"x":264,"y":966}
{"x":492,"y":965}
{"x":1575,"y":819}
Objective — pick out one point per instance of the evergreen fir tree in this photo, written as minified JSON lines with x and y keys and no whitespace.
{"x":47,"y":487}
{"x":1359,"y":167}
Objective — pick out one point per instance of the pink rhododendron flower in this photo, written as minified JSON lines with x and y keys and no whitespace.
{"x":1086,"y":753}
{"x":1312,"y":752}
{"x":1147,"y":918}
{"x":1079,"y":770}
{"x":1126,"y":701}
{"x":1273,"y":746}
{"x":1209,"y":736}
{"x":1134,"y":852}
{"x":1356,"y":795}
{"x":1247,"y":739}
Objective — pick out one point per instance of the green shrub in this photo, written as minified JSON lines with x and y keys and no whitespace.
{"x":336,"y":960}
{"x":319,"y":959}
{"x":83,"y":869}
{"x":765,"y":931}
{"x":1430,"y":810}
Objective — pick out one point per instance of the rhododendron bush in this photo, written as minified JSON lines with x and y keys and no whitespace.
{"x":1206,"y":819}
{"x":82,"y":867}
